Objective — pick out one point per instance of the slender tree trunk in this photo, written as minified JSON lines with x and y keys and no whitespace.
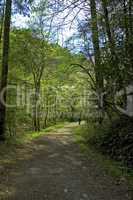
{"x":113,"y":59}
{"x":46,"y":113}
{"x":108,"y":30}
{"x":128,"y":17}
{"x":131,"y":17}
{"x":126,"y":28}
{"x":36,"y":108}
{"x":98,"y":66}
{"x":131,"y":32}
{"x":4,"y":74}
{"x":1,"y":23}
{"x":55,"y":112}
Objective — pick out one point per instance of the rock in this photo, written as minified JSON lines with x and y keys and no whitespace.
{"x":121,"y":180}
{"x":65,"y":190}
{"x":84,"y":168}
{"x":45,"y":196}
{"x":85,"y":196}
{"x":2,"y":169}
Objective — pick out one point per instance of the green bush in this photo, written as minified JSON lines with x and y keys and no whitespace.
{"x":112,"y":138}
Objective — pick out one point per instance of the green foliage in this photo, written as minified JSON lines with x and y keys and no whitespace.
{"x":114,"y":139}
{"x":59,"y":77}
{"x":37,"y":64}
{"x":89,"y":138}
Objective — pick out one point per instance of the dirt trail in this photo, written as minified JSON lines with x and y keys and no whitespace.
{"x":56,"y":170}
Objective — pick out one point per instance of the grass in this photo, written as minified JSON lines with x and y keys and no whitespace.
{"x":111,"y":167}
{"x":32,"y":135}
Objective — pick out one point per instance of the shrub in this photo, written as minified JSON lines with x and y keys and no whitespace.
{"x":114,"y":139}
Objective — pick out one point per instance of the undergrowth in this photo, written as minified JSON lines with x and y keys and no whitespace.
{"x":90,"y":138}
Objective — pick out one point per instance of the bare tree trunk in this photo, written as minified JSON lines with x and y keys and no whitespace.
{"x":126,"y":28}
{"x":131,"y":31}
{"x":113,"y":61}
{"x":108,"y":29}
{"x":1,"y":25}
{"x":98,"y":66}
{"x":4,"y":75}
{"x":36,"y":118}
{"x":55,"y":112}
{"x":46,"y":115}
{"x":128,"y":17}
{"x":131,"y":17}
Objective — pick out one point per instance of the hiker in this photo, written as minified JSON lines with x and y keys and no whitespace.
{"x":79,"y":120}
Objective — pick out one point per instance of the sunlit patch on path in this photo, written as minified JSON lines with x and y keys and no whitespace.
{"x":57,"y":170}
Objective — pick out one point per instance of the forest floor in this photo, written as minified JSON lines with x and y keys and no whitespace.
{"x":52,"y":167}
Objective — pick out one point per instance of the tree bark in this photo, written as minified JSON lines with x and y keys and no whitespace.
{"x":1,"y":25}
{"x":36,"y":116}
{"x":108,"y":29}
{"x":46,"y":112}
{"x":126,"y":28}
{"x":4,"y":74}
{"x":97,"y":55}
{"x":131,"y":32}
{"x":131,"y":17}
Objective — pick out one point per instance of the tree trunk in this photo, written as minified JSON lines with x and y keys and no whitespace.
{"x":113,"y":59}
{"x":108,"y":29}
{"x":36,"y":117}
{"x":46,"y":114}
{"x":1,"y":23}
{"x":126,"y":29}
{"x":98,"y":66}
{"x":131,"y":32}
{"x":131,"y":17}
{"x":55,"y":111}
{"x":4,"y":74}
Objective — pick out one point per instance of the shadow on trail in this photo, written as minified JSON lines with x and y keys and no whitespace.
{"x":56,"y":170}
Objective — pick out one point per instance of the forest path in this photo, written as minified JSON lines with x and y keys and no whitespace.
{"x":55,"y":169}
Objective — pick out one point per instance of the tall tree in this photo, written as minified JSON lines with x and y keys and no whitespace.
{"x":4,"y":74}
{"x":108,"y":29}
{"x":1,"y":19}
{"x":98,"y":65}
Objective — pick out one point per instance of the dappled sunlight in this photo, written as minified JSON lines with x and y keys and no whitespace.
{"x":66,"y":100}
{"x":7,"y":192}
{"x":52,"y":165}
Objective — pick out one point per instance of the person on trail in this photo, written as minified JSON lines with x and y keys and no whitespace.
{"x":79,"y":120}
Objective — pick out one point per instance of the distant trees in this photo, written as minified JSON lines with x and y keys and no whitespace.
{"x":44,"y":70}
{"x":37,"y":51}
